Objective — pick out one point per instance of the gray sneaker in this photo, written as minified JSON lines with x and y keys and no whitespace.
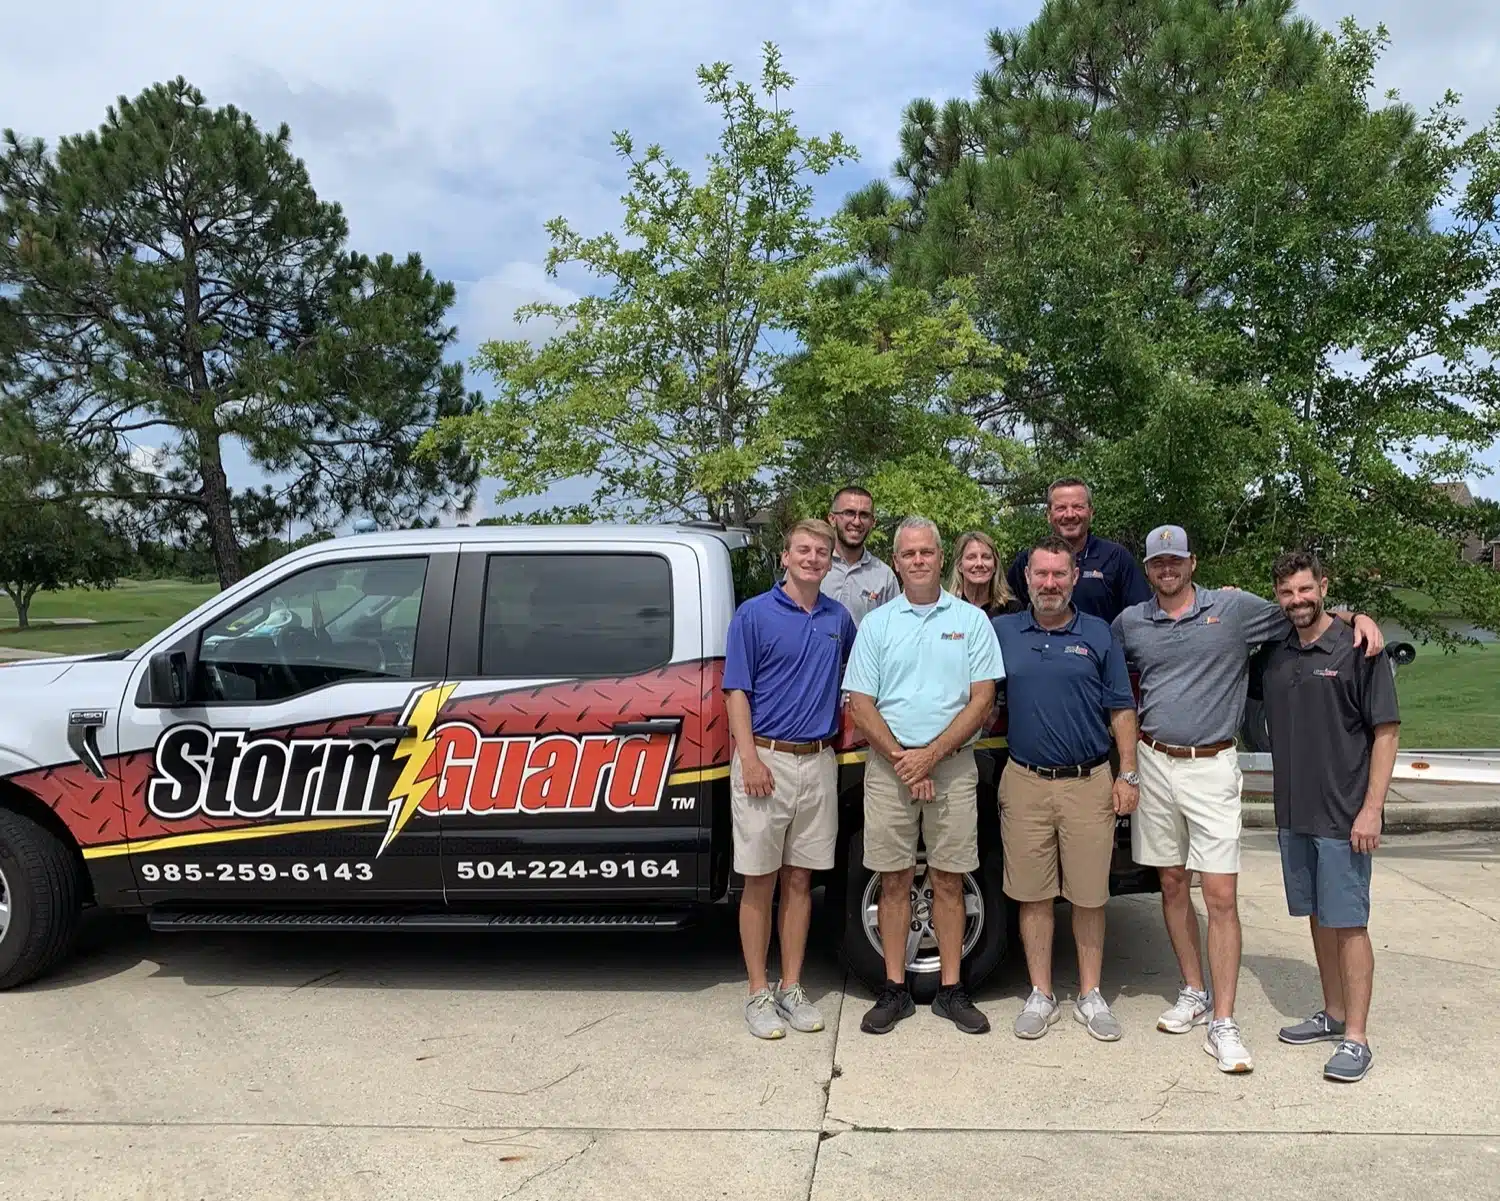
{"x":1320,"y":1028}
{"x":1040,"y":1012}
{"x":800,"y":1013}
{"x":1093,"y":1012}
{"x":761,"y":1017}
{"x":1351,"y":1062}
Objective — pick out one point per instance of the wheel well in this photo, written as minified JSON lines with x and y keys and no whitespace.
{"x":27,"y":804}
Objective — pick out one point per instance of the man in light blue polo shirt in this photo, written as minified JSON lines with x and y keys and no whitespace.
{"x":921,"y":681}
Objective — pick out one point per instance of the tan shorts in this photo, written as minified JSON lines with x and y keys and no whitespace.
{"x":1045,"y":824}
{"x":949,"y":823}
{"x":1189,"y":815}
{"x":797,"y":825}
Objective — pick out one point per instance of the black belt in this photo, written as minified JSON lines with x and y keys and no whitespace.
{"x":1071,"y":772}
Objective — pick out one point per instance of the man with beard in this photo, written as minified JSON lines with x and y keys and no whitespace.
{"x":921,"y":681}
{"x":1067,"y":686}
{"x":857,"y":580}
{"x":785,"y":653}
{"x":1335,"y":727}
{"x":1109,"y":578}
{"x":1192,"y":648}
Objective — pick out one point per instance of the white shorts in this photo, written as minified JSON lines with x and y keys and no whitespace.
{"x":797,"y":825}
{"x":1189,"y":815}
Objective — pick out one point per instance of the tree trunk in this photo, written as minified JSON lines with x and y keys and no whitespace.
{"x":22,"y":602}
{"x":216,"y":510}
{"x":215,"y":490}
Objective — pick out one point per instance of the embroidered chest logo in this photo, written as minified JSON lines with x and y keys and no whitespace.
{"x":952,"y":636}
{"x":1210,"y":620}
{"x":1076,"y":648}
{"x":1093,"y":574}
{"x":1328,"y":673}
{"x":870,"y":596}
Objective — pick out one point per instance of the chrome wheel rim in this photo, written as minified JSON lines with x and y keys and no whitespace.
{"x":4,"y":905}
{"x":921,"y":939}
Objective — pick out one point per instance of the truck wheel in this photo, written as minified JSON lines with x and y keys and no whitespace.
{"x":985,"y":929}
{"x":39,"y":900}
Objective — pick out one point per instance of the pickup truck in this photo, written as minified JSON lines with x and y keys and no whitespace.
{"x":490,"y":729}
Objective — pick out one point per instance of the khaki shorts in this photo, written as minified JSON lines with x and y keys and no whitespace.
{"x":949,"y":823}
{"x":797,"y":825}
{"x":1047,"y":824}
{"x":1189,"y":815}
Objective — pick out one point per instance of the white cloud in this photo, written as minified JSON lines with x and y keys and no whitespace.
{"x":486,"y":308}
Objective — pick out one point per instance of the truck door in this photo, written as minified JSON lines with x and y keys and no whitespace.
{"x":285,"y":776}
{"x":568,"y":768}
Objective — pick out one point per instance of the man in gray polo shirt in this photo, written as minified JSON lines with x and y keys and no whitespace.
{"x":857,"y":580}
{"x":1192,"y":648}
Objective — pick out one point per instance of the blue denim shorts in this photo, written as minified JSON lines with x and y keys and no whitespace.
{"x":1325,"y":879}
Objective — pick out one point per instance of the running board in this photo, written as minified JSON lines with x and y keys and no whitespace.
{"x":171,"y":921}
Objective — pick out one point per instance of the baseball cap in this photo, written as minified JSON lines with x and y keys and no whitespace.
{"x":1167,"y":540}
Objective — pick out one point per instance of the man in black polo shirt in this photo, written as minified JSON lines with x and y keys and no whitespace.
{"x":1334,"y":725}
{"x":1109,"y":578}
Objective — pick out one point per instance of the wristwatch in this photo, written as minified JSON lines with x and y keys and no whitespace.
{"x":1133,"y":778}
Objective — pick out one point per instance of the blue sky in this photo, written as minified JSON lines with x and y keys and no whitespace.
{"x":457,"y":130}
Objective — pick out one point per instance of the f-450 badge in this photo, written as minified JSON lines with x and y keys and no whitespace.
{"x":434,"y":768}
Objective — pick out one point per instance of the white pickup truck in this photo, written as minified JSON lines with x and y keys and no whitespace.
{"x":468,"y":729}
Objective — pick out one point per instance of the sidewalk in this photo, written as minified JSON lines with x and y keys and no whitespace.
{"x":1410,"y":806}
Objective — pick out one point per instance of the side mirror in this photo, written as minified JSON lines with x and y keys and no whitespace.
{"x":1401,"y":653}
{"x":167,"y":679}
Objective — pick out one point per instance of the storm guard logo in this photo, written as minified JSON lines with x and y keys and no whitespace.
{"x":441,"y":768}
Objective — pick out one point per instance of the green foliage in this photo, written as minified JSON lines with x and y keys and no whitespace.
{"x":174,"y":276}
{"x":47,"y":540}
{"x":1247,"y":300}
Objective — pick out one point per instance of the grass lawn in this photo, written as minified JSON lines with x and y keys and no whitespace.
{"x":1451,"y":699}
{"x":127,"y":615}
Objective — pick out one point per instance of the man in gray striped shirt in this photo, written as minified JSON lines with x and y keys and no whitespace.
{"x":857,"y":580}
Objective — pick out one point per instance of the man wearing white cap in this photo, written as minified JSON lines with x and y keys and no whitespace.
{"x":1192,"y":646}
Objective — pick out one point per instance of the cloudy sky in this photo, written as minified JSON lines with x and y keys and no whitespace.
{"x":456,"y":130}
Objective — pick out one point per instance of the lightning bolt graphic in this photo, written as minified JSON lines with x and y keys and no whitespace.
{"x":410,"y":789}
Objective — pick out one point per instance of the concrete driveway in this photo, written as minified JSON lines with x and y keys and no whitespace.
{"x":242,"y":1066}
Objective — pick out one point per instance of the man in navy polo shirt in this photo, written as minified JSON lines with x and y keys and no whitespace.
{"x":1109,"y":578}
{"x":785,"y":657}
{"x":1067,"y":687}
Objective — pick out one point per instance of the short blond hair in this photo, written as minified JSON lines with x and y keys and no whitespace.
{"x":809,"y":525}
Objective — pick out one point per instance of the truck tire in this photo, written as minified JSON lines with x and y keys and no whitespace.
{"x":39,"y":900}
{"x":986,"y":931}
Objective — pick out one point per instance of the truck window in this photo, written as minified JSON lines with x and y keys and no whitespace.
{"x":556,"y":615}
{"x":354,"y":619}
{"x":753,"y":571}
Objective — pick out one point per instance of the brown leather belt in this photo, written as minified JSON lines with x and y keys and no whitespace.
{"x":1187,"y":752}
{"x":794,"y":748}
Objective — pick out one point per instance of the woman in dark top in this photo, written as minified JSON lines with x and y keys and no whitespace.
{"x":976,"y":576}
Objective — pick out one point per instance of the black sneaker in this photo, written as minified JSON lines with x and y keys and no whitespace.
{"x":952,"y":1002}
{"x":893,"y":1004}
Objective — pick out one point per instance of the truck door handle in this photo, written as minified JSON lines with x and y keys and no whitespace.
{"x":658,"y":725}
{"x":379,"y":733}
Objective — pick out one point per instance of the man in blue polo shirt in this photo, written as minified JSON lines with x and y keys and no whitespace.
{"x":1109,"y":578}
{"x":1066,"y":688}
{"x":786,"y":651}
{"x":921,"y":681}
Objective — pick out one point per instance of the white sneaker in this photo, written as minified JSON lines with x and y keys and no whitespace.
{"x":1192,"y":1009}
{"x":1225,"y":1045}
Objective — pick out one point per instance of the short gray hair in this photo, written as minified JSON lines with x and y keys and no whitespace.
{"x":918,"y":523}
